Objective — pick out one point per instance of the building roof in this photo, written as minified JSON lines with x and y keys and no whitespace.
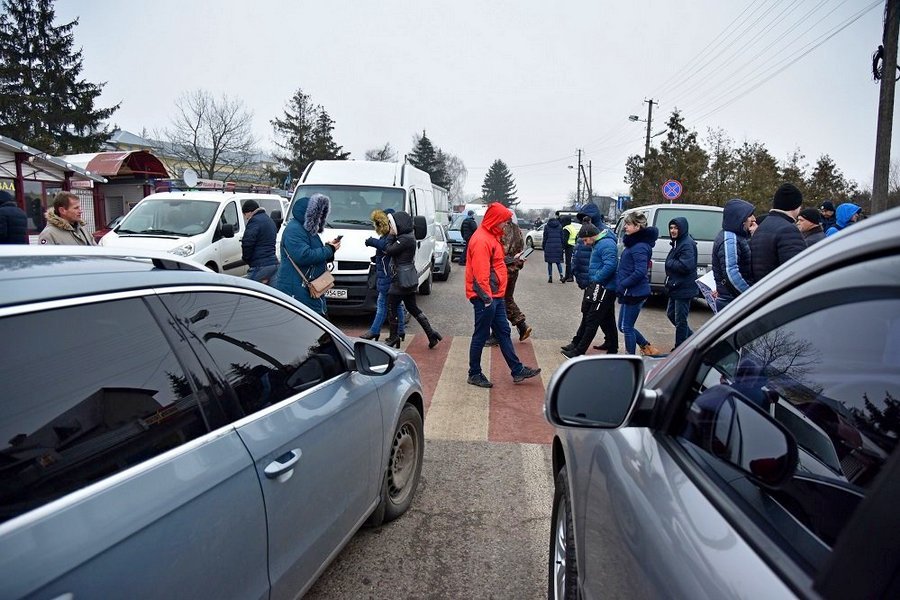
{"x":118,"y":164}
{"x":43,"y":159}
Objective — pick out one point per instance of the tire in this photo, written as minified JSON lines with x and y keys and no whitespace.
{"x":529,"y":242}
{"x":213,"y":266}
{"x":425,"y":288}
{"x":404,"y":463}
{"x":562,"y":568}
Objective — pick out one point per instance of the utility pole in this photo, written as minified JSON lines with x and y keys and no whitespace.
{"x":650,"y":104}
{"x":886,"y":107}
{"x":590,"y":181}
{"x":578,"y":189}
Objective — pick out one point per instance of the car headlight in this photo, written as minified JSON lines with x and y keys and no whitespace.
{"x":183,"y":250}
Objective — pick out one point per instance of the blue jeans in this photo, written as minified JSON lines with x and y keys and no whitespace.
{"x":487,"y":318}
{"x":628,"y":316}
{"x":677,"y":311}
{"x":381,"y":315}
{"x":550,"y":270}
{"x":263,"y":273}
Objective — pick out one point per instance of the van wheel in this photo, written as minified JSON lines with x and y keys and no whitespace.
{"x":529,"y":242}
{"x":425,"y":288}
{"x":213,"y":266}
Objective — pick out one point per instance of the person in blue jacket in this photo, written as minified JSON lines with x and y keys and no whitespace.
{"x":731,"y":252}
{"x":553,"y":243}
{"x":302,"y":244}
{"x":258,"y":244}
{"x":383,"y":276}
{"x":845,"y":214}
{"x":633,"y":280}
{"x":681,"y":278}
{"x":598,"y":305}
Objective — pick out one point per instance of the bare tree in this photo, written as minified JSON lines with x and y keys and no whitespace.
{"x":385,"y":153}
{"x":456,"y":174}
{"x":211,"y":135}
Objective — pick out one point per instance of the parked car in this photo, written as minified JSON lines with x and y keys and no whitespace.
{"x":176,"y":433}
{"x":535,"y":237}
{"x":704,"y":224}
{"x":454,"y":237}
{"x":759,"y":459}
{"x":109,"y":227}
{"x":442,"y":252}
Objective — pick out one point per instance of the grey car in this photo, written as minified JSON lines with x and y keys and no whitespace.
{"x":171,"y":432}
{"x":759,"y":459}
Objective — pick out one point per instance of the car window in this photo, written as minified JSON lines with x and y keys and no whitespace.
{"x":703,"y":225}
{"x":266,"y":351}
{"x":827,"y":369}
{"x":230,"y":216}
{"x":89,"y":391}
{"x":439,"y":233}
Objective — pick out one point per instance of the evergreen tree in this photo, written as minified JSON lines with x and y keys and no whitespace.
{"x":424,"y":156}
{"x":499,"y":186}
{"x":682,"y":158}
{"x":828,"y":183}
{"x":757,"y":177}
{"x":43,"y":102}
{"x":324,"y":146}
{"x":304,"y":135}
{"x":719,"y":179}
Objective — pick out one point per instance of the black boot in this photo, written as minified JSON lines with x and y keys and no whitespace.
{"x":433,"y":336}
{"x":393,"y":339}
{"x":370,"y":336}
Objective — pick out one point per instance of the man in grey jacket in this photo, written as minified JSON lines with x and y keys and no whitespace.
{"x":64,"y":224}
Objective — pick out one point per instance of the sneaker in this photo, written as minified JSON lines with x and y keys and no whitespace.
{"x":569,"y":353}
{"x":492,"y":341}
{"x":649,"y":349}
{"x":480,"y":380}
{"x":525,"y":373}
{"x":570,"y":347}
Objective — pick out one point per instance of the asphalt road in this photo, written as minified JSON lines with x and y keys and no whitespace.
{"x":479,"y":525}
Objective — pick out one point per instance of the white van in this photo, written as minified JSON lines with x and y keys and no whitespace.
{"x":356,"y":188}
{"x":206,"y":227}
{"x":704,"y":224}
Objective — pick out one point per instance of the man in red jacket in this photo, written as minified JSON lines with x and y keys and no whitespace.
{"x":485,"y":289}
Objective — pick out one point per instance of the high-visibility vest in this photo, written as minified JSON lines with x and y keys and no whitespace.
{"x":572,"y":228}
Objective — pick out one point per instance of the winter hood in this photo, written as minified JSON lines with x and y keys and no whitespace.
{"x":60,"y":223}
{"x":682,"y":224}
{"x":590,"y":210}
{"x":735,"y":213}
{"x":844,"y":213}
{"x":382,"y":224}
{"x":403,"y":222}
{"x":312,"y":212}
{"x":495,"y":217}
{"x":648,"y":235}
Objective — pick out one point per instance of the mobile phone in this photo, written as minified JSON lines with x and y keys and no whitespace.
{"x":526,"y":252}
{"x":338,"y":238}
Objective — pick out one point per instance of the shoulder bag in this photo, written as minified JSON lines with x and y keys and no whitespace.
{"x":407,"y":278}
{"x":316,"y":287}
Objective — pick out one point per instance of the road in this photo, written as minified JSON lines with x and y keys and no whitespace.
{"x":479,"y":525}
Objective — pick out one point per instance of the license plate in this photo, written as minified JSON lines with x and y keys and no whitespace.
{"x":336,"y":293}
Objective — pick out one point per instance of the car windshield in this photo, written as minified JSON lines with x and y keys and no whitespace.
{"x":703,"y":225}
{"x":459,"y":218}
{"x":270,"y":204}
{"x":352,"y":206}
{"x":181,"y":217}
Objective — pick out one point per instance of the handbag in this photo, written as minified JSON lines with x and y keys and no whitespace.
{"x":407,"y":278}
{"x":372,"y":281}
{"x":316,"y":287}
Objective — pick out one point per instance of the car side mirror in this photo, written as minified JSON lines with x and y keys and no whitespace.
{"x":228,"y":230}
{"x":728,"y":425}
{"x":595,"y":391}
{"x":420,"y":227}
{"x":372,"y":359}
{"x":277,"y":218}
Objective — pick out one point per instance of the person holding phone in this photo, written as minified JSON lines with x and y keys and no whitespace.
{"x":383,"y":275}
{"x":513,"y":249}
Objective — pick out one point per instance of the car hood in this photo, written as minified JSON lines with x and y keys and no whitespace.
{"x":146,"y":242}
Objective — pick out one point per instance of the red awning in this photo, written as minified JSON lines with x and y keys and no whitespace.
{"x":118,"y":164}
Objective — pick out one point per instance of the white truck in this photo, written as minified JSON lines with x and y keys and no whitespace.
{"x":356,"y":188}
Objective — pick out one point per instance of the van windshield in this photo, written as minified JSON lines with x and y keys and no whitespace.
{"x":352,"y":206}
{"x":270,"y":204}
{"x":703,"y":225}
{"x":181,"y":217}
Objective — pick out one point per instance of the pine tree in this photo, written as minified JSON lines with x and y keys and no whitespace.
{"x":828,"y":183}
{"x":499,"y":186}
{"x":682,"y":158}
{"x":424,"y":156}
{"x":324,"y":146}
{"x":42,"y":100}
{"x":296,"y":133}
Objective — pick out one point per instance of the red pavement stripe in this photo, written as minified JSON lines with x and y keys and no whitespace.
{"x":517,"y":409}
{"x":430,"y":362}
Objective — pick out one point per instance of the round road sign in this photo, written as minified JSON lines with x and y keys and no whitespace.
{"x":671,"y":190}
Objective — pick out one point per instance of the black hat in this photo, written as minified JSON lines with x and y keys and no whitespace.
{"x":588,"y":230}
{"x":787,"y":197}
{"x":249,"y":206}
{"x":5,"y":197}
{"x":827,"y":205}
{"x":471,"y":213}
{"x":811,"y":215}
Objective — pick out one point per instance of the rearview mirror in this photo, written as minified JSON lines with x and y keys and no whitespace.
{"x":228,"y":230}
{"x":420,"y":227}
{"x":596,"y":391}
{"x":277,"y":218}
{"x":372,"y":359}
{"x":728,"y":425}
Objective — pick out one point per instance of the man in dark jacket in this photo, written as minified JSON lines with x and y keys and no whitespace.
{"x":777,"y":240}
{"x":810,"y":226}
{"x":13,"y":221}
{"x":258,"y":244}
{"x":681,"y":278}
{"x":466,"y":229}
{"x":827,"y":212}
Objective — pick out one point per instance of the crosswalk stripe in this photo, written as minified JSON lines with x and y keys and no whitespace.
{"x":431,"y":362}
{"x":459,"y":411}
{"x":517,"y":409}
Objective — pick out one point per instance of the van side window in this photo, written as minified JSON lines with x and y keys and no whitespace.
{"x":413,"y":203}
{"x":230,"y":216}
{"x":101,"y":393}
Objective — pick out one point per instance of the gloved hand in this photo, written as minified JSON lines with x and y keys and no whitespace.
{"x":370,"y":241}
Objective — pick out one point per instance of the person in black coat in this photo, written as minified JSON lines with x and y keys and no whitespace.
{"x":258,"y":244}
{"x":681,"y":278}
{"x":777,"y":239}
{"x":809,"y":222}
{"x":401,"y":247}
{"x":466,"y":229}
{"x":554,"y":241}
{"x":13,"y":221}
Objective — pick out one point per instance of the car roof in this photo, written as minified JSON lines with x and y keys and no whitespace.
{"x":676,"y":206}
{"x":211,"y":196}
{"x":30,"y":274}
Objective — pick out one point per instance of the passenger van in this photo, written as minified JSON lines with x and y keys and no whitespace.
{"x":205,"y":227}
{"x":356,"y":188}
{"x":704,"y":224}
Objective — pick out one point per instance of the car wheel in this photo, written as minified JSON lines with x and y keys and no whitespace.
{"x":425,"y":288}
{"x":213,"y":266}
{"x":529,"y":242}
{"x":404,"y":463}
{"x":562,"y":572}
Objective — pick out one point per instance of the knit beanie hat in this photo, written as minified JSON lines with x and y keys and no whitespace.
{"x":787,"y":197}
{"x":5,"y":197}
{"x":827,"y":205}
{"x":811,"y":215}
{"x":588,"y":230}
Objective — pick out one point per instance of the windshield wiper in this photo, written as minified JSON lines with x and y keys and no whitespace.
{"x":354,"y":221}
{"x":159,"y":232}
{"x":124,"y":231}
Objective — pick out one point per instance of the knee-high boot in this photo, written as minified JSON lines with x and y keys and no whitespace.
{"x":433,"y":336}
{"x":394,"y":337}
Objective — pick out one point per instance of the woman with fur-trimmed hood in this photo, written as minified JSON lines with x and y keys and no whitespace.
{"x":301,"y":242}
{"x":383,"y":275}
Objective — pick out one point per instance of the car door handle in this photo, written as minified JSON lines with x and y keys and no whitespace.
{"x":283,"y":467}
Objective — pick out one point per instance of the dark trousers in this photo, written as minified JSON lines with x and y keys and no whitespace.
{"x":486,"y":319}
{"x":515,"y":315}
{"x":599,"y":314}
{"x":677,"y":310}
{"x":568,"y":258}
{"x":409,"y":301}
{"x":462,"y":257}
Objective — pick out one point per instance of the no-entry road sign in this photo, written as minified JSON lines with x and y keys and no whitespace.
{"x":671,"y":190}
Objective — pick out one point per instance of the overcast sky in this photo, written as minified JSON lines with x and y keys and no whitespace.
{"x":525,"y":81}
